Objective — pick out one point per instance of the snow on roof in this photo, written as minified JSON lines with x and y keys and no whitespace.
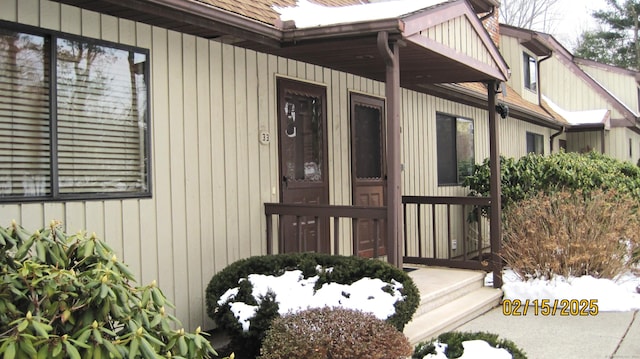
{"x":307,"y":14}
{"x":587,"y":117}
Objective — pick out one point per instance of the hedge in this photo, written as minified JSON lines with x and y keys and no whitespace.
{"x":345,"y":270}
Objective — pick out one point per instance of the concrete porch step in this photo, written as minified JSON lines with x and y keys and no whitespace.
{"x":439,"y":286}
{"x":449,"y":298}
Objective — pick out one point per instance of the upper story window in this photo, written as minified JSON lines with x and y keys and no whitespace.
{"x":456,"y":155}
{"x":74,"y":118}
{"x":530,"y":67}
{"x":535,"y":143}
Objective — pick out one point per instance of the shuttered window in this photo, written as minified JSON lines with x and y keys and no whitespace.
{"x":73,"y":118}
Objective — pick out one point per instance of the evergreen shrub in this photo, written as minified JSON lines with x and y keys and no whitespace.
{"x":454,"y":342}
{"x":68,"y":296}
{"x":345,"y":270}
{"x":531,"y":174}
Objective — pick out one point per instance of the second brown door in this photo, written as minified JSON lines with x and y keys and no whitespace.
{"x":368,"y":169}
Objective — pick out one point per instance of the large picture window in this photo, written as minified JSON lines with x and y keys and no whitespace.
{"x":456,"y":156}
{"x":74,"y":117}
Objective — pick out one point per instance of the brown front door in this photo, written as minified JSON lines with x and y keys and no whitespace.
{"x":368,"y":170}
{"x":302,"y":133}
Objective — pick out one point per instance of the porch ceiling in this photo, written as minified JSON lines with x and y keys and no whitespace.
{"x":360,"y":56}
{"x":351,"y":48}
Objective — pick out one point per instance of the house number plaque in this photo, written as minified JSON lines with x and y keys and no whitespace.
{"x":265,"y":137}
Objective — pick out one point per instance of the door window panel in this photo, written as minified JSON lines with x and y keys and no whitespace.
{"x":368,"y":142}
{"x":302,"y":140}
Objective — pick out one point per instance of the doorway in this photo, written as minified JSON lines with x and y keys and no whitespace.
{"x":368,"y":170}
{"x":302,"y":135}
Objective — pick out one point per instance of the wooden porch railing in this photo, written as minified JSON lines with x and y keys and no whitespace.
{"x":355,"y":213}
{"x":423,"y":244}
{"x":423,"y":233}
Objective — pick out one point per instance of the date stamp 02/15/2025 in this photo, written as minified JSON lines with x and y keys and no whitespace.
{"x":550,"y":307}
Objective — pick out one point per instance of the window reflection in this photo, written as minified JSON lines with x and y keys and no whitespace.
{"x":302,"y":142}
{"x":24,"y":115}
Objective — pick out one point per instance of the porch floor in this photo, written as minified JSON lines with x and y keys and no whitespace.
{"x":448,"y":299}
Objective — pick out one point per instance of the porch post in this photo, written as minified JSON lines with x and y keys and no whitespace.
{"x":389,"y":52}
{"x":495,"y":182}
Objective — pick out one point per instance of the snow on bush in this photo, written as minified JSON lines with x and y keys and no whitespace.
{"x":294,"y":293}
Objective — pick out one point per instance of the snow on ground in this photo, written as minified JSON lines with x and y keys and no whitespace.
{"x":473,"y":349}
{"x":294,"y":293}
{"x":612,"y":295}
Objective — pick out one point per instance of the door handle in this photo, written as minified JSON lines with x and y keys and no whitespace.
{"x":285,"y":180}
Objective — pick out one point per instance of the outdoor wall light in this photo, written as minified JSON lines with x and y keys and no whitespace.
{"x":503,"y":110}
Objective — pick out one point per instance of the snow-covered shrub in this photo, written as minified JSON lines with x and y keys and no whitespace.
{"x":572,"y":234}
{"x":323,"y":333}
{"x":454,"y":349}
{"x":243,"y":302}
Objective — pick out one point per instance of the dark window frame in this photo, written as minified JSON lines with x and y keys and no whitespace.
{"x":530,"y":77}
{"x":532,"y":141}
{"x":450,"y":147}
{"x":356,"y":100}
{"x":55,"y":196}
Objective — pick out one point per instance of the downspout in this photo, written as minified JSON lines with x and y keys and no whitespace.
{"x":489,"y":14}
{"x":539,"y":84}
{"x":540,"y":101}
{"x":390,"y":54}
{"x":554,"y":136}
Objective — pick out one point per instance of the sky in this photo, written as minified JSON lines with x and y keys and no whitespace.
{"x":574,"y":18}
{"x":569,"y":17}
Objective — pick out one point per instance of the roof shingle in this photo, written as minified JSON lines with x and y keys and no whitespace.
{"x":262,"y":10}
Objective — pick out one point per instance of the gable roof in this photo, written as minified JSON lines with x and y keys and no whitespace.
{"x":531,"y":40}
{"x":428,"y":57}
{"x":465,"y":54}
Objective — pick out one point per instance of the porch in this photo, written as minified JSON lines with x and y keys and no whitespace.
{"x":437,"y":231}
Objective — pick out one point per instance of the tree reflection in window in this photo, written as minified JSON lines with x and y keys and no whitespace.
{"x":302,"y":142}
{"x":74,"y":116}
{"x":456,"y":155}
{"x":101,"y":93}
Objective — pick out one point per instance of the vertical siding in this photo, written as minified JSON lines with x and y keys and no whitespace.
{"x":210,"y":175}
{"x":513,"y":140}
{"x":420,"y":158}
{"x":459,"y":35}
{"x":622,"y":85}
{"x":568,"y":91}
{"x":512,"y":52}
{"x":618,"y":142}
{"x":588,"y":141}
